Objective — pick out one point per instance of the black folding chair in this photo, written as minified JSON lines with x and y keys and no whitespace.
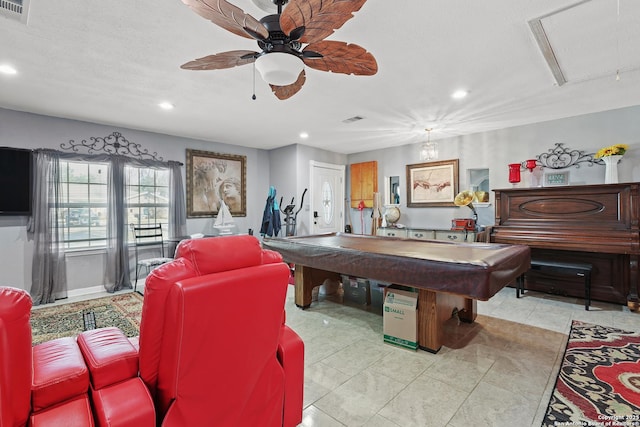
{"x":146,"y":238}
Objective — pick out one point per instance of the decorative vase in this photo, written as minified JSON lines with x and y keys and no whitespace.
{"x":611,"y":169}
{"x":514,"y":173}
{"x":533,"y":177}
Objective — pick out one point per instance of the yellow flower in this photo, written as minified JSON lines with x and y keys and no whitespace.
{"x":614,"y":150}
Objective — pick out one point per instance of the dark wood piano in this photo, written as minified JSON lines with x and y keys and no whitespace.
{"x":597,"y":224}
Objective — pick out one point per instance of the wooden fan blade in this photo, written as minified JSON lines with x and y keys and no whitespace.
{"x":319,"y":17}
{"x":340,"y":57}
{"x":286,"y":92}
{"x":228,"y":16}
{"x":223,"y":60}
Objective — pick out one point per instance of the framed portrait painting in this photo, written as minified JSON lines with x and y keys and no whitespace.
{"x":212,"y":178}
{"x":432,"y":184}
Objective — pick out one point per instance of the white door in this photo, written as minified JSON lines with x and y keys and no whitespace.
{"x":327,"y":198}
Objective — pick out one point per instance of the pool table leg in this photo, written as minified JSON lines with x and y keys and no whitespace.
{"x":434,"y":309}
{"x":307,"y":278}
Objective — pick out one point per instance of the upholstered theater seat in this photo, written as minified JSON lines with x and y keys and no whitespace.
{"x":45,"y":385}
{"x":59,"y":373}
{"x":214,"y":349}
{"x":119,"y":396}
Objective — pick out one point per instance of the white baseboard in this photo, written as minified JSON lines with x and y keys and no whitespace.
{"x":85,"y":291}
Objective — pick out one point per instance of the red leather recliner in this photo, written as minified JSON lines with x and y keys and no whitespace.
{"x":213,"y":346}
{"x":46,"y":385}
{"x":219,"y":353}
{"x":213,"y":350}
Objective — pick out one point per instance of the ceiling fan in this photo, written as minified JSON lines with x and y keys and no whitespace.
{"x":281,"y":37}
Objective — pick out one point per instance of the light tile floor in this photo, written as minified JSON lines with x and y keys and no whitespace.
{"x":498,"y":371}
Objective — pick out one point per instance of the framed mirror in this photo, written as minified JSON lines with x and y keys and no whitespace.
{"x":391,"y":190}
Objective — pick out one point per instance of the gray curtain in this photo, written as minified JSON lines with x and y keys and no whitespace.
{"x":177,"y":202}
{"x":117,"y":268}
{"x":48,"y":275}
{"x":117,"y":246}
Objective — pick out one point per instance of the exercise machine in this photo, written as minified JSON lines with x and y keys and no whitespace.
{"x":291,"y":215}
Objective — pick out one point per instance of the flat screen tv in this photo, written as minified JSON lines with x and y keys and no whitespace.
{"x":15,"y":181}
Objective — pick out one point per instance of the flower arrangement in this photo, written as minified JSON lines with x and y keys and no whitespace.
{"x":614,"y":150}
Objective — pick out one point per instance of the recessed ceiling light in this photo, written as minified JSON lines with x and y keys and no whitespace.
{"x":166,"y":106}
{"x":7,"y":69}
{"x":459,"y":94}
{"x":304,"y":135}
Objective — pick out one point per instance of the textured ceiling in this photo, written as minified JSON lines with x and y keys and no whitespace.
{"x":113,"y":62}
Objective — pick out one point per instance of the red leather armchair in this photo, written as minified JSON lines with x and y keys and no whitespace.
{"x":214,"y":349}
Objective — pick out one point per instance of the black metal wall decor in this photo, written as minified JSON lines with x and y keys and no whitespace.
{"x":111,"y":144}
{"x":561,"y":157}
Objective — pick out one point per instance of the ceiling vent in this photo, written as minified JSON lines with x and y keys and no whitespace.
{"x":352,"y":119}
{"x":15,"y":9}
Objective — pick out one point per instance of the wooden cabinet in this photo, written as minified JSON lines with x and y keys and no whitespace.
{"x":391,"y":232}
{"x":428,"y":234}
{"x":413,"y":233}
{"x":456,"y":235}
{"x":364,"y":182}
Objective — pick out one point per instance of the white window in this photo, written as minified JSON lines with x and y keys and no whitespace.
{"x":147,"y":197}
{"x":83,"y":202}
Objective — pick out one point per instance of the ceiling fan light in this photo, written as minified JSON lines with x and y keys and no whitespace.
{"x":279,"y":68}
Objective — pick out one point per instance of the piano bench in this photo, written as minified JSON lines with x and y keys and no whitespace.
{"x":581,"y":269}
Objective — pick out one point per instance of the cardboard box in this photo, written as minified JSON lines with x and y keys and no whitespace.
{"x":356,"y":290}
{"x":400,"y":318}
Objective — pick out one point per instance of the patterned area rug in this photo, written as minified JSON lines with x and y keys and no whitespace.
{"x":599,"y":380}
{"x":64,"y":320}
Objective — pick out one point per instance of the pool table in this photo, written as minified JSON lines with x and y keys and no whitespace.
{"x":450,"y":277}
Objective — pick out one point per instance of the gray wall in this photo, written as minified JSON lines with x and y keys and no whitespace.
{"x":283,"y":174}
{"x":496,"y":149}
{"x":288,"y":170}
{"x":85,"y":268}
{"x":291,"y":174}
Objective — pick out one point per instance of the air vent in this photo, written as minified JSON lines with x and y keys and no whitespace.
{"x":352,"y":119}
{"x":15,"y":9}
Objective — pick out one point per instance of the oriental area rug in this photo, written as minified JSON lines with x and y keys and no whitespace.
{"x":599,"y":379}
{"x":69,"y":319}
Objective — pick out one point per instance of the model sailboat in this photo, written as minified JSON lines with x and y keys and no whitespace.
{"x":224,"y":221}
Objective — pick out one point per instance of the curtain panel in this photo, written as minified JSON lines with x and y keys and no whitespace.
{"x":48,"y":276}
{"x":48,"y":273}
